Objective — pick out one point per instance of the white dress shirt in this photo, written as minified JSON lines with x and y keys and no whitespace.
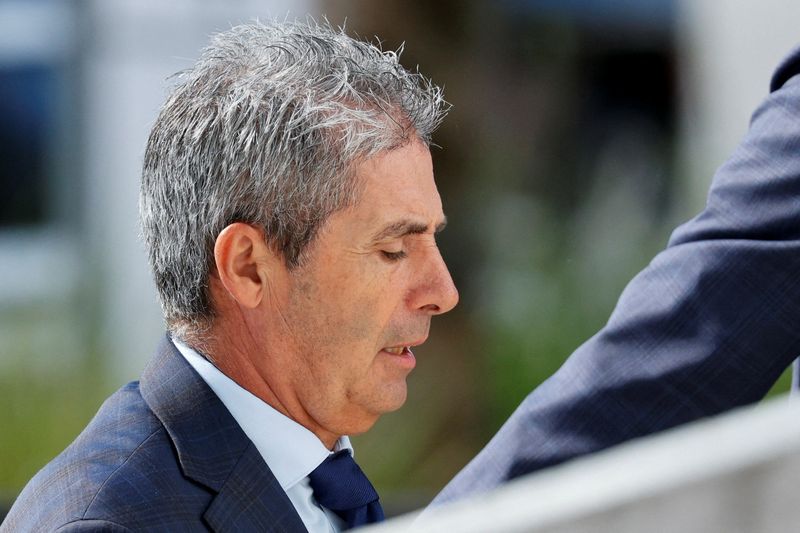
{"x":290,"y":450}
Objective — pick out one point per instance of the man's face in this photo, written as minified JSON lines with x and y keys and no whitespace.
{"x":372,"y":280}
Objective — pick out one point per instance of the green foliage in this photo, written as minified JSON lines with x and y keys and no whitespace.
{"x":40,"y":416}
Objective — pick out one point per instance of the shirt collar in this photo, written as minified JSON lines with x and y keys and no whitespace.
{"x":290,"y":450}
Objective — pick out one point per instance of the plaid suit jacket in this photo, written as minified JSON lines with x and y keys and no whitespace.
{"x":709,"y":325}
{"x":162,"y":454}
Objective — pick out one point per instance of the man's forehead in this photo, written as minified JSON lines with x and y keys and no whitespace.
{"x":398,"y":195}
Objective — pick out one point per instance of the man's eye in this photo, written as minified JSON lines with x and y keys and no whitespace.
{"x":394,"y":256}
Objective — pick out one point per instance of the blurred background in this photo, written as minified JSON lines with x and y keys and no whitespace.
{"x":582,"y":132}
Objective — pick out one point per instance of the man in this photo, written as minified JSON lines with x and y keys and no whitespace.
{"x":709,"y":325}
{"x":289,"y":210}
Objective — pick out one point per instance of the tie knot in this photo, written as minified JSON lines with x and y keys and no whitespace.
{"x":341,"y":486}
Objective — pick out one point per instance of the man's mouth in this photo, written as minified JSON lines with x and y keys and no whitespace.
{"x":398,"y":350}
{"x":402,"y":355}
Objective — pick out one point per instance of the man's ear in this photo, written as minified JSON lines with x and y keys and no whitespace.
{"x":243,"y":260}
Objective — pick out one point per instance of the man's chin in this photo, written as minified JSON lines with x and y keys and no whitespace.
{"x":395,"y":395}
{"x":396,"y":403}
{"x":390,"y":401}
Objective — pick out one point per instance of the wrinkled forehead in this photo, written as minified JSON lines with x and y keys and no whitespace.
{"x":398,"y":184}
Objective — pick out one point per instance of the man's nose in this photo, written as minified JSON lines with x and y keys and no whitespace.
{"x":436,"y":293}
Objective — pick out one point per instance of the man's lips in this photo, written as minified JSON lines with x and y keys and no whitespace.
{"x":397,"y":350}
{"x":401,"y":355}
{"x":403,"y":348}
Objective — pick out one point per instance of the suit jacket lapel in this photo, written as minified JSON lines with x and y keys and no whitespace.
{"x":213,"y":450}
{"x":246,"y":503}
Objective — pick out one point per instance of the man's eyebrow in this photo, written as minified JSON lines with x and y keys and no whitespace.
{"x":402,"y":228}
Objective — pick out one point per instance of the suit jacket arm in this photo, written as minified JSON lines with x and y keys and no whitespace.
{"x":709,"y":325}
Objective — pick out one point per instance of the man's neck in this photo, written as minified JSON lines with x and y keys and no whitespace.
{"x":236,"y":361}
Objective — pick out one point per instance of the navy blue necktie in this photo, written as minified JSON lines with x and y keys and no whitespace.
{"x":341,"y":486}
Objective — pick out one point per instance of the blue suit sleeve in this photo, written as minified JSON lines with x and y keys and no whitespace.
{"x":708,"y":325}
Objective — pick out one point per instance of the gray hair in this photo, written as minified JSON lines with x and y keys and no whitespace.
{"x":265,"y":129}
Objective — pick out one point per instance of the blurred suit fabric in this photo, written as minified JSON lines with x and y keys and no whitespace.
{"x":709,"y":325}
{"x":162,"y":454}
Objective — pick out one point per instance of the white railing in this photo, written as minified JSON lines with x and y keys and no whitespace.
{"x":738,"y":472}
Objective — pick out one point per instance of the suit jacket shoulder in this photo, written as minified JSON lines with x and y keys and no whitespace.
{"x":161,"y":454}
{"x":122,"y":447}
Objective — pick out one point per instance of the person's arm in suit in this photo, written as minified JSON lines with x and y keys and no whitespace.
{"x":709,"y":325}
